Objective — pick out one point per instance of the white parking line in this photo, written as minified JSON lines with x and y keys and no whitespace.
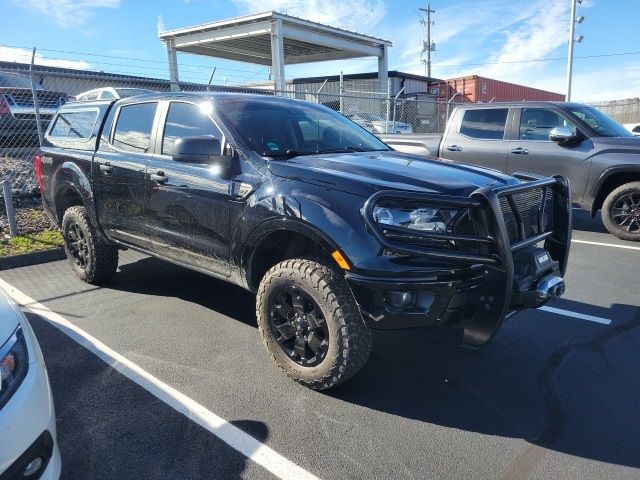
{"x":581,"y":316}
{"x":263,"y":455}
{"x":628,"y":247}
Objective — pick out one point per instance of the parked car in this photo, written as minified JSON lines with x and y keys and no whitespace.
{"x":599,"y":156}
{"x":29,"y":448}
{"x":111,"y":93}
{"x":335,"y":233}
{"x":17,"y":109}
{"x":377,"y":124}
{"x":633,"y":128}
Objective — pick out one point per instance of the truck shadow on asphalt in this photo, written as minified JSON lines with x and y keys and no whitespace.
{"x":109,"y":427}
{"x":565,"y":384}
{"x":560,"y":383}
{"x":151,"y":276}
{"x":582,"y":221}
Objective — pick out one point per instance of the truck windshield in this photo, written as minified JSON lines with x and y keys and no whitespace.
{"x":274,"y":127}
{"x":12,"y":80}
{"x":598,"y":121}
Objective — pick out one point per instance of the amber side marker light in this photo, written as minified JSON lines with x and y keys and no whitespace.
{"x":340,"y":260}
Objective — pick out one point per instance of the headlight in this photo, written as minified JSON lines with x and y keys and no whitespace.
{"x":430,"y":219}
{"x":14,"y":363}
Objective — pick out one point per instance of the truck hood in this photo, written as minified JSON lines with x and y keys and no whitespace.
{"x":364,"y":173}
{"x":632,"y":143}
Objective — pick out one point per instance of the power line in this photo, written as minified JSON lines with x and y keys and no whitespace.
{"x":535,"y":60}
{"x":87,"y":54}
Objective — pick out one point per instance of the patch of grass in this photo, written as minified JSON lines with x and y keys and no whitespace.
{"x":45,"y":240}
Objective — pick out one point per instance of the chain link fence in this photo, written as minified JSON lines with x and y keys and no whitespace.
{"x":29,"y":97}
{"x":30,"y":94}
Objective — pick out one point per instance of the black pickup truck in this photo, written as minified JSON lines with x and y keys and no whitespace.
{"x":336,"y":233}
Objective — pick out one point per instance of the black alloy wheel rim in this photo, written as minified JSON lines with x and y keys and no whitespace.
{"x":299,"y":326}
{"x":78,"y":245}
{"x":626,"y":212}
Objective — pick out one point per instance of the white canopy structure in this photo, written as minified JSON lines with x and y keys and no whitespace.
{"x":273,"y":39}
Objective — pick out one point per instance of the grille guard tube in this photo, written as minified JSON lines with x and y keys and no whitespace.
{"x":499,"y":265}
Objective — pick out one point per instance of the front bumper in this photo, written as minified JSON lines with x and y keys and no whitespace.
{"x":484,"y":284}
{"x":27,"y":421}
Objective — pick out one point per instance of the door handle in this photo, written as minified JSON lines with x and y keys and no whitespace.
{"x":520,"y":151}
{"x":106,"y":168}
{"x":453,"y":148}
{"x":159,"y":177}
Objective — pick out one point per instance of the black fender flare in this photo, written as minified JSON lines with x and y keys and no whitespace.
{"x":604,"y":176}
{"x":69,"y":177}
{"x":264,"y":229}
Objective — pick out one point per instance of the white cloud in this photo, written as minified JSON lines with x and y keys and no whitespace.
{"x":539,"y":36}
{"x":160,"y":24}
{"x":22,"y":55}
{"x":66,"y":13}
{"x":355,"y":15}
{"x":460,"y":31}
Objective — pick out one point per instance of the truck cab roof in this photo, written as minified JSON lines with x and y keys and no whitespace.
{"x":526,"y":103}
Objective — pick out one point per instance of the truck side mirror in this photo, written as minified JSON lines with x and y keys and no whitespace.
{"x":202,"y":150}
{"x":562,"y":134}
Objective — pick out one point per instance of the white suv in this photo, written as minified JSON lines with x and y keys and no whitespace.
{"x":111,"y":93}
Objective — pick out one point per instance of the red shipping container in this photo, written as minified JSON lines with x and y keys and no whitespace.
{"x":475,"y":88}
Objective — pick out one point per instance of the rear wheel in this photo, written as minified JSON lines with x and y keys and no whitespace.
{"x":621,"y":212}
{"x":91,"y":258}
{"x":310,"y":323}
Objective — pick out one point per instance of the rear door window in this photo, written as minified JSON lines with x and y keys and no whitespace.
{"x":134,"y":126}
{"x":186,"y":120}
{"x":74,"y":125}
{"x":484,"y":123}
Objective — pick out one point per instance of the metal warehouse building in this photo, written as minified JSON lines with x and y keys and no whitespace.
{"x":362,"y":82}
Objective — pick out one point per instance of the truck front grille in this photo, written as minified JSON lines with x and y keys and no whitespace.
{"x":527,"y":214}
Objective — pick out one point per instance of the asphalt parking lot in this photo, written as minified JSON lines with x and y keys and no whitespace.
{"x":554,"y":395}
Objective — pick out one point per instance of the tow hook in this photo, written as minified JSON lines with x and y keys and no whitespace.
{"x":550,"y":287}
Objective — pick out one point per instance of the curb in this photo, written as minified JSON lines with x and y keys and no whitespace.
{"x":27,"y":259}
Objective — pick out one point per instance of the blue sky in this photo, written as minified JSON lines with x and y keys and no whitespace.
{"x":507,"y":40}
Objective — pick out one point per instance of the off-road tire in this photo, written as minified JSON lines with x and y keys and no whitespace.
{"x":349,"y":338}
{"x":101,"y":258}
{"x":607,"y":212}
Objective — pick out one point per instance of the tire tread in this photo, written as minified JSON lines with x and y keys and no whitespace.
{"x":104,"y":261}
{"x":354,"y":344}
{"x":608,"y":222}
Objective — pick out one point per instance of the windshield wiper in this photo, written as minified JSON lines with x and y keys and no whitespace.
{"x":289,"y":153}
{"x":298,"y":153}
{"x":350,"y":149}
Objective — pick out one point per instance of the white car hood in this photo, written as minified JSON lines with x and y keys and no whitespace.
{"x":390,"y":123}
{"x":9,"y":319}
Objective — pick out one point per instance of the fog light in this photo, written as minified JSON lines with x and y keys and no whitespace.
{"x":400,"y":300}
{"x":32,"y":467}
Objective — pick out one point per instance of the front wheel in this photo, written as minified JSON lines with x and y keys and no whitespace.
{"x":621,"y":212}
{"x":91,"y":258}
{"x":310,"y":323}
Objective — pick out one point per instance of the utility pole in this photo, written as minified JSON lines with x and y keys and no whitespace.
{"x":427,"y":46}
{"x":572,"y":40}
